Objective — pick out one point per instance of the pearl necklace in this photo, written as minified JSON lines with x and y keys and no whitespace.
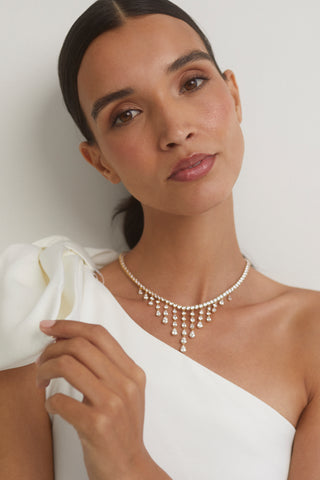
{"x":195,"y":313}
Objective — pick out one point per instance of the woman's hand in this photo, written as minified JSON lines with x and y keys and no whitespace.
{"x":109,"y":421}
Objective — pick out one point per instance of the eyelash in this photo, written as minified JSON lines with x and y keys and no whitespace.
{"x":118,"y":114}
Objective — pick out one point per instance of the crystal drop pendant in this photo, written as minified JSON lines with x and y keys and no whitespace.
{"x":190,"y":317}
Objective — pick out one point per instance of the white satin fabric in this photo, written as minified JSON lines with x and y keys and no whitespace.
{"x":198,"y":425}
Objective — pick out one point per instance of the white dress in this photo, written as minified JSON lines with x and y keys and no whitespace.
{"x":198,"y":424}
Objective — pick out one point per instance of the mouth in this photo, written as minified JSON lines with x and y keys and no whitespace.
{"x":196,"y":162}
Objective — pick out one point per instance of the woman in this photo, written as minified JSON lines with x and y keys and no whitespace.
{"x":153,"y":389}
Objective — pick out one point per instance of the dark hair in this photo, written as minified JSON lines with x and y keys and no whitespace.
{"x":100,"y":17}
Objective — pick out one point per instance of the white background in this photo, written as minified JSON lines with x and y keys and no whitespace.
{"x":273,"y":47}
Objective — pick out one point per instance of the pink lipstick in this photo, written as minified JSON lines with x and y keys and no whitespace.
{"x":194,"y":167}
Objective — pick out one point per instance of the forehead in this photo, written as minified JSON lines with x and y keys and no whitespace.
{"x":143,"y":44}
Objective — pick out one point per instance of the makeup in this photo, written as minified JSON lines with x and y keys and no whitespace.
{"x":192,"y":168}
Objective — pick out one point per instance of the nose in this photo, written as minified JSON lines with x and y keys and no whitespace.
{"x":174,"y":127}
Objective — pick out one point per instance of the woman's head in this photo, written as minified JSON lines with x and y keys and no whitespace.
{"x":103,"y":16}
{"x":143,"y":86}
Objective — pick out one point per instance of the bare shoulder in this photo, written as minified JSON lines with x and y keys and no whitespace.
{"x":25,"y":440}
{"x":300,"y":302}
{"x":305,"y":306}
{"x":299,"y":318}
{"x":307,"y":299}
{"x":295,"y":313}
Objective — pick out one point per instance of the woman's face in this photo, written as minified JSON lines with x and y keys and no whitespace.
{"x":166,"y":105}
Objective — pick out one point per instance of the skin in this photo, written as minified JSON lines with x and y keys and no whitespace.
{"x":271,"y":329}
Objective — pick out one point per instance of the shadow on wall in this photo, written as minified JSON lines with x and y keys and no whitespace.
{"x":83,"y":200}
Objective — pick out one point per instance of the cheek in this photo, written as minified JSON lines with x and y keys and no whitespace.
{"x":222,"y":124}
{"x":125,"y":156}
{"x":216,"y":114}
{"x":130,"y":159}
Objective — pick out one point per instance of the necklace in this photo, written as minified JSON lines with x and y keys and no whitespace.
{"x":192,"y":314}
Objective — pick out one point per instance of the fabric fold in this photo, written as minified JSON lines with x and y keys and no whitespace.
{"x":39,"y":281}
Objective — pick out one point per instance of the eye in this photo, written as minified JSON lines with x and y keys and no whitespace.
{"x":124,"y":117}
{"x":194,"y":83}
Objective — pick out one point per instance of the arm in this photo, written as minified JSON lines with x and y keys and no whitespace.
{"x":25,"y":440}
{"x":305,"y":462}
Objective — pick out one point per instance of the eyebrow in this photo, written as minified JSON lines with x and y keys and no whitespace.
{"x":102,"y":102}
{"x":190,"y":57}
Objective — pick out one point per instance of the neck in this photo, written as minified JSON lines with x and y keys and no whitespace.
{"x":188,"y":259}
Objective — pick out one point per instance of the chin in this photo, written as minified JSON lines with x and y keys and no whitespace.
{"x":202,"y":202}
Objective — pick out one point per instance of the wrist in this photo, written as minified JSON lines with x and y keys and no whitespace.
{"x":145,"y":469}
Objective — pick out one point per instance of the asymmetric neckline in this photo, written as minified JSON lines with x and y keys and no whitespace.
{"x":177,"y":354}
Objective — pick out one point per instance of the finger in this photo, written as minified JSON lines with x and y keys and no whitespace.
{"x":90,"y":423}
{"x":71,"y":410}
{"x":96,"y":334}
{"x":88,"y":355}
{"x":77,"y":375}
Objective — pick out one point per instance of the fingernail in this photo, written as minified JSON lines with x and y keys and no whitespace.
{"x":47,"y":323}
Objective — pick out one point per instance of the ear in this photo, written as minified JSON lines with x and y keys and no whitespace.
{"x":92,"y":154}
{"x":231,"y":82}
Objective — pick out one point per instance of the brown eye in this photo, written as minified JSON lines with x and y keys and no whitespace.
{"x":193,"y":84}
{"x":125,"y":117}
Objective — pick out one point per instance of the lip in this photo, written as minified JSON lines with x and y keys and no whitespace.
{"x":190,"y":168}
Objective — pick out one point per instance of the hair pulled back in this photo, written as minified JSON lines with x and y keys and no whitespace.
{"x":100,"y":17}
